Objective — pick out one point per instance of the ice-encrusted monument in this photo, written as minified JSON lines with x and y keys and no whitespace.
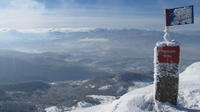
{"x":167,"y":57}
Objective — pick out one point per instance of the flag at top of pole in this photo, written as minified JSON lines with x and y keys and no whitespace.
{"x":179,"y":16}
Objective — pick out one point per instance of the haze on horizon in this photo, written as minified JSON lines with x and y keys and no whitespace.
{"x":100,"y":34}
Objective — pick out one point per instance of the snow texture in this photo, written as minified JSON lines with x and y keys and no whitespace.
{"x":102,"y":99}
{"x":182,"y":16}
{"x":167,"y":43}
{"x":90,"y":86}
{"x":165,"y":77}
{"x":166,"y":35}
{"x":53,"y":109}
{"x":160,"y":70}
{"x":105,"y":87}
{"x":83,"y":104}
{"x":158,"y":67}
{"x":141,"y":100}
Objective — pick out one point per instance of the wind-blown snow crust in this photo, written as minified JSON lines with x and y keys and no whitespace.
{"x":141,"y":100}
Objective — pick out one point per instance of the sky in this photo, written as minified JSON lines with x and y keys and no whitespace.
{"x":114,"y":14}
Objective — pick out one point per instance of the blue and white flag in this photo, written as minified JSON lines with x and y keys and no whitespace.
{"x":179,"y":16}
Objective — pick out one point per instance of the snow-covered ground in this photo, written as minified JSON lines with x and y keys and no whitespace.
{"x":102,"y":99}
{"x":141,"y":100}
{"x":105,"y":87}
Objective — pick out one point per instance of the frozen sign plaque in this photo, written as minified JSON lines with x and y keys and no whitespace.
{"x":168,"y":54}
{"x":179,"y":16}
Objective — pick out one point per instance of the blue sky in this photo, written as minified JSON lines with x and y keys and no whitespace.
{"x":141,"y":14}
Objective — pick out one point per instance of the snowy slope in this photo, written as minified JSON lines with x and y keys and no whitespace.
{"x":141,"y":100}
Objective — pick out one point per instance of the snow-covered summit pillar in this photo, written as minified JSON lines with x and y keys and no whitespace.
{"x":167,"y":54}
{"x":166,"y":62}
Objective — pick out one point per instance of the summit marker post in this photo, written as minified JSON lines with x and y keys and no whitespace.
{"x":167,"y":57}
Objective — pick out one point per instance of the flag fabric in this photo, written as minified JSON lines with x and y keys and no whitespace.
{"x":179,"y":16}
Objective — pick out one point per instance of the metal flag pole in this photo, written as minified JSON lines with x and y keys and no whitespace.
{"x":166,"y":35}
{"x":166,"y":30}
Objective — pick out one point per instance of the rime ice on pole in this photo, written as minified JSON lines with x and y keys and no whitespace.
{"x":166,"y":57}
{"x":166,"y":61}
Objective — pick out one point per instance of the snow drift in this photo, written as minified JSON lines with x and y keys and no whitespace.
{"x":141,"y":100}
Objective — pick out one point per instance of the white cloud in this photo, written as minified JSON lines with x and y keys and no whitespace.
{"x":29,"y":14}
{"x":21,"y":14}
{"x":34,"y":16}
{"x":25,"y":4}
{"x":47,"y":30}
{"x":94,"y":40}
